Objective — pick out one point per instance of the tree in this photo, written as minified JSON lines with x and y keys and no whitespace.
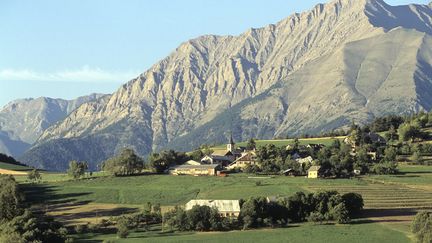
{"x":206,"y":150}
{"x":251,"y":145}
{"x":392,"y":134}
{"x":10,"y":198}
{"x":416,"y":157}
{"x":77,"y":169}
{"x":33,"y":228}
{"x":177,"y":219}
{"x":123,"y":227}
{"x":390,"y":154}
{"x":199,"y":218}
{"x":340,"y":214}
{"x":124,"y":164}
{"x":160,"y":162}
{"x":197,"y":155}
{"x":353,"y":202}
{"x":296,"y":145}
{"x":385,"y":168}
{"x":253,"y":211}
{"x":363,"y":160}
{"x":409,"y":131}
{"x":422,"y":227}
{"x":34,"y":176}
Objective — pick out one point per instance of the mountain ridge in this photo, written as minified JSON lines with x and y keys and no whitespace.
{"x":310,"y":72}
{"x":22,"y":121}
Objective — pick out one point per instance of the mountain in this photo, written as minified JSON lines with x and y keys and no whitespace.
{"x":23,"y":121}
{"x":344,"y":61}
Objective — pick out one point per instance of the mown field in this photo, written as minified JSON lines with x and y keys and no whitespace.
{"x":390,"y":202}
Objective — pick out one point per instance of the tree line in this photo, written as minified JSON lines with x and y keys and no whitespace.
{"x":257,"y":212}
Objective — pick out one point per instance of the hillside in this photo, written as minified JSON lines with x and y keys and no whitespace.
{"x":311,"y":72}
{"x":23,"y":121}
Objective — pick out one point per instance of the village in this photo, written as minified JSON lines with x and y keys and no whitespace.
{"x":237,"y":158}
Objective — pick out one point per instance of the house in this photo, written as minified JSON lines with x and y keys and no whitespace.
{"x":314,"y":172}
{"x":195,"y":170}
{"x":373,"y":155}
{"x":295,"y":156}
{"x":315,"y":147}
{"x":301,"y":161}
{"x":248,"y":158}
{"x":226,"y":208}
{"x":216,"y":159}
{"x":376,"y":138}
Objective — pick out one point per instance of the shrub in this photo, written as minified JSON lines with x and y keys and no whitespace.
{"x":81,"y":228}
{"x":340,"y":214}
{"x":422,"y":227}
{"x":316,"y":217}
{"x":122,"y":228}
{"x":353,"y":203}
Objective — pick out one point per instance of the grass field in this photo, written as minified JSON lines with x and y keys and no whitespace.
{"x":366,"y":232}
{"x":174,"y":190}
{"x":6,"y":166}
{"x":390,"y":202}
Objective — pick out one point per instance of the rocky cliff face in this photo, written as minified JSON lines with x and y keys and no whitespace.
{"x":23,"y":121}
{"x":315,"y":71}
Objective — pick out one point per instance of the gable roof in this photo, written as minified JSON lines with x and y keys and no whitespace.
{"x":192,"y":162}
{"x":314,"y":168}
{"x":221,"y":205}
{"x":308,"y":159}
{"x":188,"y":167}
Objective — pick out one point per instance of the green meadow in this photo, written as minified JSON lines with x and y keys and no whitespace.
{"x":390,"y":203}
{"x":360,"y":232}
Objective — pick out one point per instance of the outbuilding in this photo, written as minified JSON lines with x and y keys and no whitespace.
{"x":314,"y":172}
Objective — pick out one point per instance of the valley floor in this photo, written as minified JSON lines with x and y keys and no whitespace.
{"x":390,"y":202}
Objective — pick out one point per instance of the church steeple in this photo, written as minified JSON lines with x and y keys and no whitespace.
{"x":231,"y":144}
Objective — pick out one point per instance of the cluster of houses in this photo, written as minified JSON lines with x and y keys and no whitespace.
{"x":212,"y":165}
{"x":239,"y":157}
{"x":236,"y":158}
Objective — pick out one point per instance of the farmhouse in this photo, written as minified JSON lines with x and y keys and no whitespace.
{"x":216,"y":159}
{"x":226,"y":208}
{"x":306,"y":160}
{"x":314,"y":171}
{"x":248,"y":158}
{"x":196,"y":170}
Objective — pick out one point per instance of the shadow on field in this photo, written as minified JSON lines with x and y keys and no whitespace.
{"x":97,"y":213}
{"x":415,"y":172}
{"x":47,"y":194}
{"x":386,"y":216}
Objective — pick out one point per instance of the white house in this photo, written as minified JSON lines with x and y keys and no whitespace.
{"x":226,"y":208}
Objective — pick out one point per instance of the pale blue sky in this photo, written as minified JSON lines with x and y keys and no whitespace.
{"x":67,"y":48}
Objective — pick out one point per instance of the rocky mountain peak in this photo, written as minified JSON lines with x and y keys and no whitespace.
{"x":311,"y":72}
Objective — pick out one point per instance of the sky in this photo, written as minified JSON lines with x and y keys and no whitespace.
{"x":68,"y":48}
